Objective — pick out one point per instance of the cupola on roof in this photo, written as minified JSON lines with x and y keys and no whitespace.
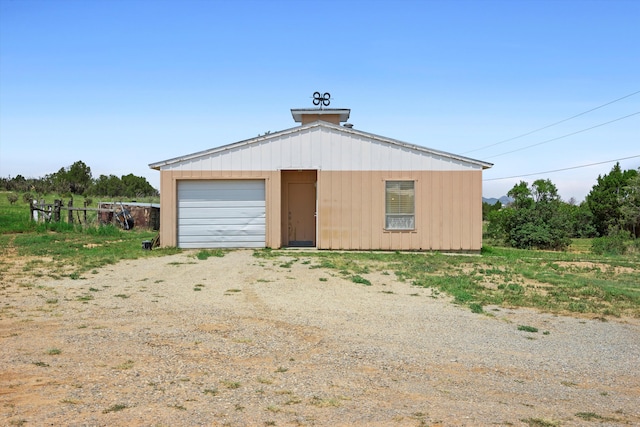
{"x":310,"y":115}
{"x":331,"y":115}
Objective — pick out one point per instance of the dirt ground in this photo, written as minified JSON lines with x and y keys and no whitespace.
{"x":245,"y":341}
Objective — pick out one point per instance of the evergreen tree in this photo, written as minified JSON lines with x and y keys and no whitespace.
{"x":605,"y":198}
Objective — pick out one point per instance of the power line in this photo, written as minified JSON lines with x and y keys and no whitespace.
{"x":553,"y":124}
{"x":563,"y":169}
{"x":564,"y":136}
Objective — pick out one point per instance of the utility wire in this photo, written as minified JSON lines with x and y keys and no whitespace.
{"x":563,"y":169}
{"x":553,"y":124}
{"x":564,"y":136}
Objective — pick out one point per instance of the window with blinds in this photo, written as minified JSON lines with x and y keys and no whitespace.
{"x":400,"y":205}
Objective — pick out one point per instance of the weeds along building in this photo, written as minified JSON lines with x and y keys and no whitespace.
{"x":322,"y":184}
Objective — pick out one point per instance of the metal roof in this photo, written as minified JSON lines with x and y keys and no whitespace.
{"x":319,"y":123}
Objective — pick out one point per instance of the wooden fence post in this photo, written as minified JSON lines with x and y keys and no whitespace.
{"x":56,"y":210}
{"x":70,"y":205}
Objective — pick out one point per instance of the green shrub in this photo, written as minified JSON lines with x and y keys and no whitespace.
{"x":27,"y":197}
{"x":613,"y":244}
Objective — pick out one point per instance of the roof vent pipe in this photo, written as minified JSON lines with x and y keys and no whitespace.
{"x":348,"y":125}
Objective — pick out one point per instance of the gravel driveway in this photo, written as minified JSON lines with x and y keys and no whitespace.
{"x":245,"y":341}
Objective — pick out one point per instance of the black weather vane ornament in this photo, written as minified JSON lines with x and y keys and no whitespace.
{"x":321,"y":100}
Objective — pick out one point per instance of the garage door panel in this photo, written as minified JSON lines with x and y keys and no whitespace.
{"x":219,"y":196}
{"x":221,"y":222}
{"x":253,"y":230}
{"x":221,"y":214}
{"x":230,"y":212}
{"x":217,"y":204}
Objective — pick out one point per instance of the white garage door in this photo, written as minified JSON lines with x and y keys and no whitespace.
{"x":221,"y":214}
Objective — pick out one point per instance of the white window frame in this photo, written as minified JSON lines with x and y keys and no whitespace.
{"x":403,"y":210}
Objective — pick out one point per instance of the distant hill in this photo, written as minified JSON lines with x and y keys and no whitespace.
{"x":505,"y":200}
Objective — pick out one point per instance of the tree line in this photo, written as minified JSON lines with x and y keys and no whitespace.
{"x":538,"y":218}
{"x":78,"y":180}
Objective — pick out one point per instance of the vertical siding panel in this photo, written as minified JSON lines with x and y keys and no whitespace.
{"x":336,"y":208}
{"x":320,"y":214}
{"x":468,"y":210}
{"x":394,"y":238}
{"x":168,"y":211}
{"x":365,"y":217}
{"x":272,"y":210}
{"x":376,"y":209}
{"x":465,"y":208}
{"x":427,"y":204}
{"x":345,"y":210}
{"x":447,"y":197}
{"x":476,"y":220}
{"x":355,"y":230}
{"x":325,"y":209}
{"x":457,"y":209}
{"x":436,"y":209}
{"x":325,"y":152}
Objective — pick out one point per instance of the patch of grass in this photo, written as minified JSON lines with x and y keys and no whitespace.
{"x":476,"y":308}
{"x":592,"y":416}
{"x":288,"y":264}
{"x":211,"y":391}
{"x":125,"y":365}
{"x":281,"y":369}
{"x":84,"y":298}
{"x":205,"y":254}
{"x":52,"y":301}
{"x":325,"y":402}
{"x":115,"y":408}
{"x":527,"y":328}
{"x":361,"y":280}
{"x":123,"y":296}
{"x":231,"y":384}
{"x":54,"y":351}
{"x":539,"y":422}
{"x":41,"y":364}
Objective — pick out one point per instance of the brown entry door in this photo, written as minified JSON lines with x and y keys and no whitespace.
{"x":302,"y":214}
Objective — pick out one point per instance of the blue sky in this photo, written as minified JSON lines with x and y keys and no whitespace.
{"x":121,"y":84}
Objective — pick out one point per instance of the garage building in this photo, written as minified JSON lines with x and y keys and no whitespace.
{"x":323,"y":185}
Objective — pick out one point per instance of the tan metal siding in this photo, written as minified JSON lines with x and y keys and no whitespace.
{"x":448,"y":211}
